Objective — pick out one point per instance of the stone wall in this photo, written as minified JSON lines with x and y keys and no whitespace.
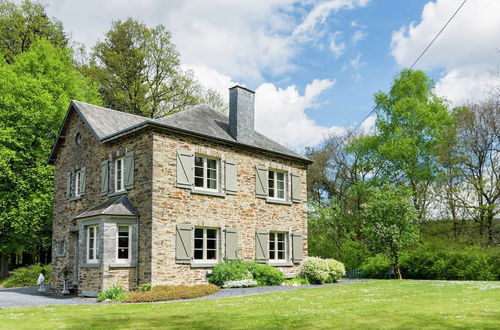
{"x":173,"y":205}
{"x":90,"y":154}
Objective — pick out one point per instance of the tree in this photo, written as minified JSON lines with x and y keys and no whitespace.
{"x":477,"y":162}
{"x":35,"y":91}
{"x":410,"y":124}
{"x":21,"y":25}
{"x":390,"y":223}
{"x":138,"y":71}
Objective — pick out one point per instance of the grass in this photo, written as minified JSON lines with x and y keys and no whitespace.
{"x":373,"y":305}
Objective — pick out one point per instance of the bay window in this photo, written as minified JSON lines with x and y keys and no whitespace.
{"x":92,"y":244}
{"x":123,"y":243}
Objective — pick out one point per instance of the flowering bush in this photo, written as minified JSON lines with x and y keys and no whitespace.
{"x":336,"y":270}
{"x":315,"y":270}
{"x":240,"y":284}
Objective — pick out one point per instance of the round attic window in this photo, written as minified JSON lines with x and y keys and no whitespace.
{"x":78,"y":139}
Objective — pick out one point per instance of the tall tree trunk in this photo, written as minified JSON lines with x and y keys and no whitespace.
{"x":4,"y":265}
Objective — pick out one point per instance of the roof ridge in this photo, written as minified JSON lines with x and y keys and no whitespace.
{"x":113,"y":110}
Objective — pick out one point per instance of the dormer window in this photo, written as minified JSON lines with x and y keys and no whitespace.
{"x":276,"y":184}
{"x":206,"y":173}
{"x":119,"y":170}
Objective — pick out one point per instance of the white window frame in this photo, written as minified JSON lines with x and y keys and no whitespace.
{"x":122,"y":174}
{"x":78,"y":178}
{"x":273,"y":236}
{"x":121,"y":260}
{"x":205,"y":173}
{"x":275,"y":184}
{"x":204,"y":260}
{"x":95,"y":245}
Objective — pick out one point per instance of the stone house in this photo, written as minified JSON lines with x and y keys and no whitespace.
{"x":161,"y":201}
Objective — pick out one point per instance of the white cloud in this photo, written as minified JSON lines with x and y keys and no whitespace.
{"x":467,"y":50}
{"x":337,"y":47}
{"x":281,"y":114}
{"x":357,"y":36}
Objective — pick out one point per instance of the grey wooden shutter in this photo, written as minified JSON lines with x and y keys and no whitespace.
{"x":104,"y":177}
{"x":231,"y":243}
{"x":230,"y":173}
{"x":83,"y":174}
{"x":185,"y":169}
{"x":297,"y":247}
{"x":261,"y":246}
{"x":261,"y":175}
{"x":129,"y":170}
{"x":68,"y":185}
{"x":295,"y":187}
{"x":183,"y":244}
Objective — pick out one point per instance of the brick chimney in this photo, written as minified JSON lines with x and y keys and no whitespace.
{"x":241,"y":114}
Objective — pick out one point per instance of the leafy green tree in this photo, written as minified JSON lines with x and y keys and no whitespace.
{"x":22,"y":24}
{"x":138,"y":71}
{"x":390,"y":223}
{"x":410,"y":124}
{"x":34,"y":95}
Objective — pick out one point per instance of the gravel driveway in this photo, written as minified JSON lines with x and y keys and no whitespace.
{"x":23,"y":297}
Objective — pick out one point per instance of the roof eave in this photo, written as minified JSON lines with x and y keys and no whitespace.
{"x":145,"y":124}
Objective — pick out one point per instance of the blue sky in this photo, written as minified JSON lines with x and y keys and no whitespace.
{"x":314,"y":64}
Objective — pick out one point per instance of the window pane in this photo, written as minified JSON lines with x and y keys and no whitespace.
{"x":211,"y":184}
{"x":281,"y":246}
{"x":211,"y":244}
{"x":198,"y":232}
{"x":91,"y":231}
{"x":211,"y":164}
{"x":281,"y":185}
{"x":271,"y":254}
{"x":281,"y":255}
{"x":281,"y":236}
{"x":280,"y":176}
{"x":211,"y":174}
{"x":123,"y":242}
{"x":198,"y":254}
{"x":198,"y":244}
{"x":281,"y":194}
{"x":198,"y":171}
{"x":198,"y":161}
{"x":211,"y":233}
{"x":91,"y":254}
{"x":122,"y":253}
{"x":198,"y":182}
{"x":271,"y":192}
{"x":123,"y":230}
{"x":211,"y":254}
{"x":271,"y":245}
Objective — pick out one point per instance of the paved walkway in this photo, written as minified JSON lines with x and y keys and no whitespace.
{"x":23,"y":297}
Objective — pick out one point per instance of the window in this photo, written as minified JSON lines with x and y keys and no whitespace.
{"x":123,"y":243}
{"x":276,"y":184}
{"x":78,"y":178}
{"x":277,"y":246}
{"x":60,"y":248}
{"x":119,"y":175}
{"x":78,"y":139}
{"x":205,"y":173}
{"x":92,"y":244}
{"x":205,"y":244}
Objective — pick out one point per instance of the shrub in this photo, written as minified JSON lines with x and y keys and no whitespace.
{"x":266,"y":275}
{"x":315,"y":270}
{"x":28,"y":276}
{"x":336,"y":270}
{"x":296,"y":281}
{"x":145,"y":287}
{"x":434,"y":262}
{"x":230,"y":271}
{"x":115,"y":293}
{"x":171,"y":292}
{"x":240,"y":284}
{"x":377,"y":266}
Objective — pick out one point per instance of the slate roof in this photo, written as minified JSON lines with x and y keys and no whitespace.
{"x":203,"y":121}
{"x":118,"y":206}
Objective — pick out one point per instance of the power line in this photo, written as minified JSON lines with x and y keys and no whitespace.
{"x":408,"y":72}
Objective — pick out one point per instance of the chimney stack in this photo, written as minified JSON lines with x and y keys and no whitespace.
{"x":241,"y":114}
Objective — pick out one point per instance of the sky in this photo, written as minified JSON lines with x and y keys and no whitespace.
{"x":315,"y":65}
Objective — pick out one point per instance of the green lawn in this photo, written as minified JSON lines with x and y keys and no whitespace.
{"x":377,"y":304}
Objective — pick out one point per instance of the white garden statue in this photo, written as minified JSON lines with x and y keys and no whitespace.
{"x":41,"y":283}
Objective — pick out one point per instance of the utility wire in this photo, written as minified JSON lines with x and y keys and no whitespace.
{"x":408,"y":72}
